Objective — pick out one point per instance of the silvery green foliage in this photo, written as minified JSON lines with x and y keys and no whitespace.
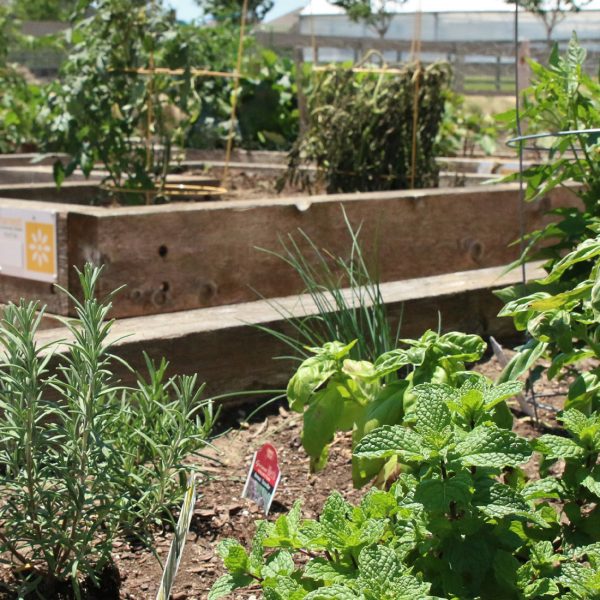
{"x":81,"y":457}
{"x":460,"y":521}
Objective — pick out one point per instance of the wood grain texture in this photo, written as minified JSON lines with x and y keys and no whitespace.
{"x":227,"y":351}
{"x":191,"y":255}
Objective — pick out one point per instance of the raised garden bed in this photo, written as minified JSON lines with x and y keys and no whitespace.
{"x":196,"y":341}
{"x":185,"y":256}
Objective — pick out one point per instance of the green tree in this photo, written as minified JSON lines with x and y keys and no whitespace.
{"x":231,"y":10}
{"x":44,"y":10}
{"x":9,"y":33}
{"x":551,"y":12}
{"x":377,"y":15}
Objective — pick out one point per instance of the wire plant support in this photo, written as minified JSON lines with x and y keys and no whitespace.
{"x":526,"y":142}
{"x":517,"y":142}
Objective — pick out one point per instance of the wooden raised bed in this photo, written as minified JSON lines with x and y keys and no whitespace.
{"x":196,"y":341}
{"x":185,"y":256}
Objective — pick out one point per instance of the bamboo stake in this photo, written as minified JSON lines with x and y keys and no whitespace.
{"x":234,"y":100}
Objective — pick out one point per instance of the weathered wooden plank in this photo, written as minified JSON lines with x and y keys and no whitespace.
{"x":206,"y":255}
{"x":225,"y":348}
{"x":189,"y":255}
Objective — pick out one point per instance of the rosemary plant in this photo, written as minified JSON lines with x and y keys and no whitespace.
{"x":81,"y":457}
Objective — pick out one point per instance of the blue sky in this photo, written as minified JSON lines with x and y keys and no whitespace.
{"x":188,"y":9}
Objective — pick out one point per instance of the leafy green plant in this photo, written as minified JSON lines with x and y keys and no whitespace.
{"x":466,"y":129}
{"x":360,"y":130}
{"x":105,"y":110}
{"x":267,"y":110}
{"x":562,"y":98}
{"x":461,"y":522}
{"x":561,"y":314}
{"x":155,"y":428}
{"x":335,"y":393}
{"x":82,"y":458}
{"x":231,"y":10}
{"x":10,"y":34}
{"x":578,"y":487}
{"x":20,"y":103}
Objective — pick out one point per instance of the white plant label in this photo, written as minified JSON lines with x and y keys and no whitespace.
{"x":28,"y":244}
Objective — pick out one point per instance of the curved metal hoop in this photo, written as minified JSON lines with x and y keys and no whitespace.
{"x":514,"y":142}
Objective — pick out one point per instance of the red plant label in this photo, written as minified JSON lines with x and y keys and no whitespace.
{"x":263,"y":477}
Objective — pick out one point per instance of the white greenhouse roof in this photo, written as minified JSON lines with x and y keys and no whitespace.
{"x":322,"y":7}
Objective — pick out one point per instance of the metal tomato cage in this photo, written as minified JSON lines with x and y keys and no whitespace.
{"x":521,"y":142}
{"x":184,"y":189}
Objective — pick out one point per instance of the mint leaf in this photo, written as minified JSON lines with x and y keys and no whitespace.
{"x":227,"y":584}
{"x":380,"y":568}
{"x":490,"y":446}
{"x":549,"y":487}
{"x":498,"y":501}
{"x":335,"y":520}
{"x":592,"y":482}
{"x":283,"y":588}
{"x":328,"y":571}
{"x":574,"y":420}
{"x":390,"y":440}
{"x":234,"y":555}
{"x":541,"y":587}
{"x":432,"y":414}
{"x":436,"y":494}
{"x":335,"y":592}
{"x":495,"y":394}
{"x":279,"y":564}
{"x":555,"y":446}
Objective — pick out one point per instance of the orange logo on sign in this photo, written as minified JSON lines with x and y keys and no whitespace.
{"x":39,"y":247}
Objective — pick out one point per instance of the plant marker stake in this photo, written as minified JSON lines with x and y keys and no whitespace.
{"x":176,"y":549}
{"x":263,"y":477}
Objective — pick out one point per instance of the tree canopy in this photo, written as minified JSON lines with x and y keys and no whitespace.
{"x":44,"y":10}
{"x":377,"y":14}
{"x":551,"y":12}
{"x":231,"y":10}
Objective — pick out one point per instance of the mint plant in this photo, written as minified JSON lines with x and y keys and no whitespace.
{"x":560,"y":314}
{"x":82,"y":458}
{"x":336,"y":393}
{"x":578,"y":487}
{"x":460,"y":522}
